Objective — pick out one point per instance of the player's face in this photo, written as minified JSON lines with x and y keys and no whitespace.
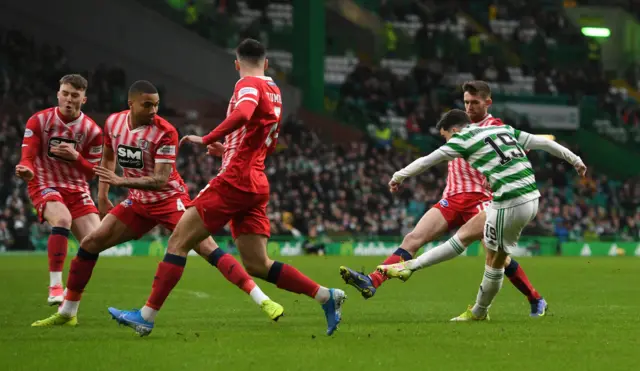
{"x":476,"y":106}
{"x":70,"y":100}
{"x":144,"y":107}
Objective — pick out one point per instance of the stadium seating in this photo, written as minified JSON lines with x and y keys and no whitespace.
{"x":319,"y":188}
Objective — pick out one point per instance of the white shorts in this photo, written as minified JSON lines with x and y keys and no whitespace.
{"x":503,"y":226}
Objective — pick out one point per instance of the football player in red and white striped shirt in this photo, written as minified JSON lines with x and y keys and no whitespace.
{"x":463,"y":203}
{"x":61,"y":145}
{"x":238,"y":196}
{"x":145,"y":146}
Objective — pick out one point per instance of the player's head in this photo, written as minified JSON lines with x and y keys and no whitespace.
{"x":72,"y":94}
{"x":477,"y":99}
{"x":251,"y":56}
{"x":143,"y":101}
{"x":452,"y":122}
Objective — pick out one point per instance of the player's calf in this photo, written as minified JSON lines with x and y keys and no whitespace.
{"x":58,"y":216}
{"x":253,"y":249}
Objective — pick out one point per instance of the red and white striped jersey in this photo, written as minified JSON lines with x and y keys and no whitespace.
{"x":461,"y":177}
{"x":47,"y":129}
{"x":139,"y":150}
{"x":247,"y":147}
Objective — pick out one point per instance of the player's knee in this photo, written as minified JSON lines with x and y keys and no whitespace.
{"x":413,"y":241}
{"x":62,"y":221}
{"x":90,"y":243}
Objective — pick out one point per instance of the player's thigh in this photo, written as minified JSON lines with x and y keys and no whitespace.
{"x":56,"y":214}
{"x":253,"y":252}
{"x":431,"y":226}
{"x":110,"y":232}
{"x":189,"y":232}
{"x":81,"y":227}
{"x":79,"y":203}
{"x":473,"y":230}
{"x":503,"y":227}
{"x":215,"y":206}
{"x":134,"y":216}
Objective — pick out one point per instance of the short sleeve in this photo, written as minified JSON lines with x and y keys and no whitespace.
{"x":166,"y":150}
{"x":247,"y":90}
{"x":93,"y":152}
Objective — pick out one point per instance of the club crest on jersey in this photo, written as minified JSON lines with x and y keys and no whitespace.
{"x":130,"y":157}
{"x":142,"y":143}
{"x":126,"y":203}
{"x":79,"y":137}
{"x":444,"y":203}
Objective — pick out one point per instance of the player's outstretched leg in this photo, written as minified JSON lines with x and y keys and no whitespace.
{"x":235,"y":273}
{"x":58,"y":216}
{"x":431,"y":226}
{"x":253,"y":249}
{"x":188,"y":233}
{"x":456,"y":245}
{"x":519,"y":279}
{"x":109,"y":233}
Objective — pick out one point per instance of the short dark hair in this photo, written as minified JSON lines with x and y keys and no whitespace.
{"x":477,"y":87}
{"x":251,"y":51}
{"x":453,"y":118}
{"x":75,"y":80}
{"x":142,"y":87}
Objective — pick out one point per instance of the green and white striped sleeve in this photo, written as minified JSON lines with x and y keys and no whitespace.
{"x":454,"y":148}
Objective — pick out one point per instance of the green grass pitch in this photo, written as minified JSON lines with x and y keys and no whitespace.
{"x":208,"y":324}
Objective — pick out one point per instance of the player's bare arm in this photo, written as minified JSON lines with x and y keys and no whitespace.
{"x":160,"y":177}
{"x":108,"y":163}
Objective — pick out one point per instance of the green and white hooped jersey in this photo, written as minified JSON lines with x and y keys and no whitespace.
{"x":498,"y":153}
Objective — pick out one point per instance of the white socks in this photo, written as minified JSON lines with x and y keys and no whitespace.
{"x":257,"y":295}
{"x":441,"y":253}
{"x":323,"y":295}
{"x":69,"y":308}
{"x":55,"y":278}
{"x":148,"y":314}
{"x":491,"y":284}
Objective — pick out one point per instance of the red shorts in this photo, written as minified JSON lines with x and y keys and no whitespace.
{"x":460,"y":208}
{"x":220,"y":203}
{"x":79,"y":203}
{"x":141,"y":218}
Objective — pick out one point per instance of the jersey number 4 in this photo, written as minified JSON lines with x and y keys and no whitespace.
{"x":507,"y":140}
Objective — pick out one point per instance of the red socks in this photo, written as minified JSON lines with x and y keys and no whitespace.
{"x":520,"y":280}
{"x":232,"y":270}
{"x":57,"y":248}
{"x":288,"y":278}
{"x":80,"y":274}
{"x":167,"y":276}
{"x":399,"y":255}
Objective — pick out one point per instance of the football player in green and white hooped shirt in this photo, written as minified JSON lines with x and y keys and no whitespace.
{"x":498,"y":152}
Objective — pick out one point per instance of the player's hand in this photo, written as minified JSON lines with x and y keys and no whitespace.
{"x":394,"y":186}
{"x":107,"y":176}
{"x":65,"y":151}
{"x":24,"y":172}
{"x":215,"y":149}
{"x":104,"y":206}
{"x":581,"y":169}
{"x":190,"y":139}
